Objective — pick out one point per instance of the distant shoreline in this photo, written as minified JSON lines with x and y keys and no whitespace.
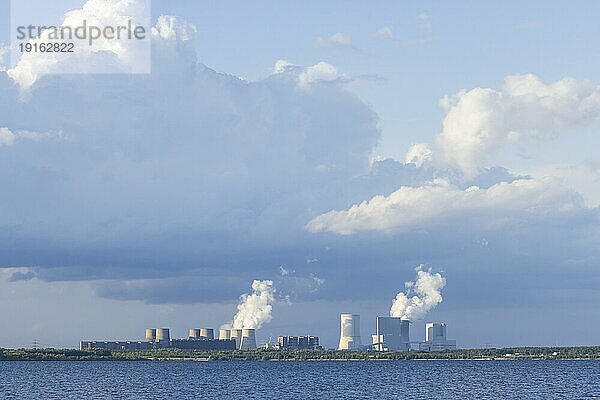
{"x":502,"y":354}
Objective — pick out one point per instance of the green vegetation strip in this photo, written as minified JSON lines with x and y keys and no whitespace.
{"x":520,"y":353}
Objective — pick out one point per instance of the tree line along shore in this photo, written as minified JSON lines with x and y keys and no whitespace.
{"x":515,"y":353}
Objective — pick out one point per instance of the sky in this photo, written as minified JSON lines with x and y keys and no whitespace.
{"x":331,"y":147}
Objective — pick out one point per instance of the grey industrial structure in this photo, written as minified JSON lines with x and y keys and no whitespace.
{"x":435,"y":338}
{"x":158,"y":338}
{"x":298,"y":343}
{"x":392,"y":334}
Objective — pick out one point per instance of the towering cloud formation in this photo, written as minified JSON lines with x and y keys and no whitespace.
{"x":255,"y":309}
{"x":105,"y":55}
{"x":481,"y":121}
{"x":420,"y":297}
{"x":237,"y":162}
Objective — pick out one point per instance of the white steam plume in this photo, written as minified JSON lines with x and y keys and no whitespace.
{"x":420,"y":296}
{"x":255,"y":309}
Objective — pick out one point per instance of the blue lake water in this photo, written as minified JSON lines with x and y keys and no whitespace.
{"x":301,"y":380}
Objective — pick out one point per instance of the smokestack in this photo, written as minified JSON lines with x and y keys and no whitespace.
{"x":248,"y":339}
{"x":349,"y":332}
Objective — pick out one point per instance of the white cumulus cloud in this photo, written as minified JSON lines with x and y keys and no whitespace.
{"x":105,"y":55}
{"x":438,"y":201}
{"x":481,"y":121}
{"x":418,"y":154}
{"x":321,"y":72}
{"x":173,"y":28}
{"x":281,"y":65}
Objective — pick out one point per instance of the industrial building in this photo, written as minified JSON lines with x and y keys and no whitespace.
{"x":158,"y":338}
{"x":298,"y":343}
{"x":391,"y":334}
{"x":349,"y":332}
{"x":195,"y":344}
{"x":435,"y":338}
{"x":105,"y":345}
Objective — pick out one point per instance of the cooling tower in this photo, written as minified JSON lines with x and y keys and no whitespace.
{"x":207,"y":333}
{"x":237,"y":335}
{"x":224,"y":334}
{"x":248,"y":339}
{"x":194,"y":333}
{"x":150,"y":335}
{"x":350,"y":332}
{"x":163,"y":335}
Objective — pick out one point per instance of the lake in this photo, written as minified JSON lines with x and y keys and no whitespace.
{"x":301,"y":380}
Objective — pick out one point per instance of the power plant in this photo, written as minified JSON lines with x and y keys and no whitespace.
{"x":298,"y":343}
{"x":349,"y":332}
{"x":391,"y":334}
{"x":198,"y":339}
{"x":435,"y":338}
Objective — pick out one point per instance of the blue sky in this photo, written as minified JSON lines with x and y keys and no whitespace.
{"x":135,"y":200}
{"x":469,"y":44}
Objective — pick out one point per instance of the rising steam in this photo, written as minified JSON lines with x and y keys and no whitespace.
{"x":255,"y":309}
{"x":425,"y":292}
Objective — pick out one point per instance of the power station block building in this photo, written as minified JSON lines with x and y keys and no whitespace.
{"x":435,"y":338}
{"x":391,"y":334}
{"x":159,"y":338}
{"x":298,"y":343}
